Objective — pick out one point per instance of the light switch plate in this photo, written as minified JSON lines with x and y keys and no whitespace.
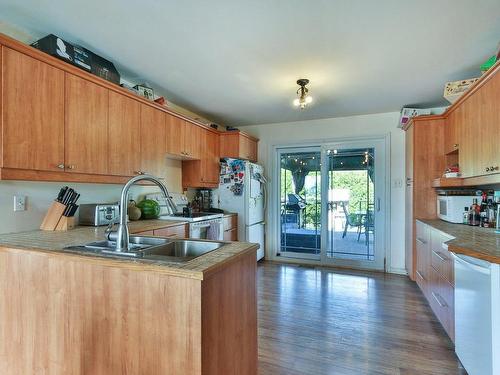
{"x":19,"y":202}
{"x":397,"y":183}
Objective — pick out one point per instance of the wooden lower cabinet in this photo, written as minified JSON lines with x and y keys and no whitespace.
{"x":63,"y":314}
{"x":177,"y":231}
{"x":435,"y":274}
{"x":230,"y":227}
{"x":173,"y":231}
{"x":422,"y":246}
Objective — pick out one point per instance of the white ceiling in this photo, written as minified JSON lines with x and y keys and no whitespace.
{"x":236,"y":61}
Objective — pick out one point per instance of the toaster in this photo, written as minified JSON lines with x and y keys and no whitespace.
{"x":97,"y":214}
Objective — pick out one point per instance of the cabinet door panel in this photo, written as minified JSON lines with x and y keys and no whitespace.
{"x":175,"y":135}
{"x":489,"y":125}
{"x":177,"y":231}
{"x":211,"y":158}
{"x":124,"y":133}
{"x":153,"y":141}
{"x":193,"y":141}
{"x":479,"y":131}
{"x":86,"y":126}
{"x":33,"y":113}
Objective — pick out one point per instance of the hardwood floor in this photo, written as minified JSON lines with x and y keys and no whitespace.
{"x":315,"y":321}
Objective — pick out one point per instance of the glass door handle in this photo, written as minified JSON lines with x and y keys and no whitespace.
{"x":378,"y":204}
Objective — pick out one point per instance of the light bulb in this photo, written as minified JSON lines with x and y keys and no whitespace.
{"x":296,"y":102}
{"x":309,"y":99}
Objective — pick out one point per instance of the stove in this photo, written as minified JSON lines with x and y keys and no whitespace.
{"x":202,"y":225}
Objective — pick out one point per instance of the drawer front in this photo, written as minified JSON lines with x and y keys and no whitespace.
{"x":178,"y":231}
{"x":231,"y":234}
{"x":441,"y":301}
{"x":441,"y":259}
{"x":422,"y":269}
{"x":422,"y":233}
{"x":145,"y":233}
{"x":230,"y":222}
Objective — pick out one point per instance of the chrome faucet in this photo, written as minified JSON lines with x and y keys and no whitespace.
{"x":121,"y":235}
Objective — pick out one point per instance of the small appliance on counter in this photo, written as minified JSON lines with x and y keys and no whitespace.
{"x":451,"y":203}
{"x":97,"y":214}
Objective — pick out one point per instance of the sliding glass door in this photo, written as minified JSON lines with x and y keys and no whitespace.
{"x":300,"y":202}
{"x":332,"y":203}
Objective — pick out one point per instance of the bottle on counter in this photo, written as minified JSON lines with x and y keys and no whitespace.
{"x":465,"y":219}
{"x":474,"y":214}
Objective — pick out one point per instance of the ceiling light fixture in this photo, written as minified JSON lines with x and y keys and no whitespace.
{"x":303,"y":94}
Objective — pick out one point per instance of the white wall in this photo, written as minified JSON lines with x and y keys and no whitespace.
{"x":348,"y":127}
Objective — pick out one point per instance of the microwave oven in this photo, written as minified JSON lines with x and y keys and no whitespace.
{"x":451,"y":207}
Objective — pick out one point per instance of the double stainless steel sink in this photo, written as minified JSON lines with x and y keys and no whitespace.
{"x":153,"y":248}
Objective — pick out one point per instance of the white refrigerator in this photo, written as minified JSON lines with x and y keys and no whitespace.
{"x":242,"y":190}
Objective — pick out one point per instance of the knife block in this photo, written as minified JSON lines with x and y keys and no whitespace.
{"x":54,"y":219}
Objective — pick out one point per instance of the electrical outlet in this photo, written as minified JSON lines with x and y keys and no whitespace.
{"x":19,"y":202}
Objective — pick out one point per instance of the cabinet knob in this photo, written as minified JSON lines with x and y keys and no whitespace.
{"x":455,"y":145}
{"x":487,"y":169}
{"x":71,"y":166}
{"x":60,"y":166}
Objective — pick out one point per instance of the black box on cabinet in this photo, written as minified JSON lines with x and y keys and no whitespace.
{"x":55,"y":46}
{"x":78,"y":56}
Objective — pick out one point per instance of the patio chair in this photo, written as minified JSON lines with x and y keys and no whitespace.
{"x":351,"y":221}
{"x":368,"y":225}
{"x":296,"y":204}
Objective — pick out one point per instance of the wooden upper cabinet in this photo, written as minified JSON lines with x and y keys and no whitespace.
{"x":451,"y":132}
{"x":204,"y":172}
{"x":86,"y":131}
{"x":183,"y":138}
{"x":238,"y":145}
{"x":153,"y":141}
{"x":124,"y":147}
{"x":193,"y":141}
{"x":33,"y":113}
{"x":479,"y":131}
{"x":175,"y":135}
{"x":211,"y":159}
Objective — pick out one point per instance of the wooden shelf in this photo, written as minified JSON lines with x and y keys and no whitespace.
{"x":463,"y":182}
{"x":447,"y":182}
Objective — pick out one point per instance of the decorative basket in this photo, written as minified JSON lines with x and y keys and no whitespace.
{"x":454,"y":90}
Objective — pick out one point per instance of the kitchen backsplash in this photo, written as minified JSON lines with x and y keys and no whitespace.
{"x":41,"y":194}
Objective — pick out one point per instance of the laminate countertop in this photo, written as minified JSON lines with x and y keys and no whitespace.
{"x":52,"y":243}
{"x":481,"y":243}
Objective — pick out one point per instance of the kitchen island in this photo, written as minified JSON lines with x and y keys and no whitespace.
{"x":77,"y":313}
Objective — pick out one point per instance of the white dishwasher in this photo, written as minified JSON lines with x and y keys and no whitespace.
{"x":477,"y":315}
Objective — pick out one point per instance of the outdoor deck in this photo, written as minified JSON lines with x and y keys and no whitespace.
{"x":308,"y":241}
